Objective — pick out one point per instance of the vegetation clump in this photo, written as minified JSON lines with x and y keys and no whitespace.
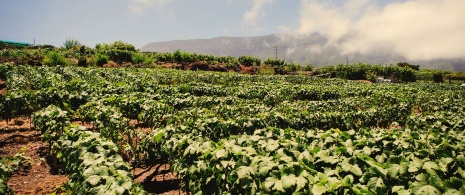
{"x":54,"y":58}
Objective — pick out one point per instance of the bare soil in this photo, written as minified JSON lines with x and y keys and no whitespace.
{"x":2,"y":87}
{"x":43,"y":176}
{"x":157,"y":179}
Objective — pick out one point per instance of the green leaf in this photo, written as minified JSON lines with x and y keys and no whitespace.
{"x":375,"y":183}
{"x":454,"y":182}
{"x":430,"y":165}
{"x":415,"y":165}
{"x":244,"y":172}
{"x":397,"y":188}
{"x":221,"y":153}
{"x":347,"y":180}
{"x":461,"y":172}
{"x":425,"y":190}
{"x":120,"y":190}
{"x":318,"y":189}
{"x":375,"y":165}
{"x":451,"y":191}
{"x":265,"y":166}
{"x":93,"y":180}
{"x":443,"y":163}
{"x":436,"y":182}
{"x":367,"y":150}
{"x":288,"y":181}
{"x":355,"y":169}
{"x":305,"y":156}
{"x":422,"y":177}
{"x":269,"y":182}
{"x":301,"y":182}
{"x":400,"y":190}
{"x":228,"y":163}
{"x":278,"y":185}
{"x":271,"y":145}
{"x":397,"y":169}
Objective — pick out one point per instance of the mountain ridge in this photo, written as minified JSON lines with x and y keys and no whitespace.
{"x":302,"y":49}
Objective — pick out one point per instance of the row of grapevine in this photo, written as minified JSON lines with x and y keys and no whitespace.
{"x":242,"y":134}
{"x":93,"y":164}
{"x":9,"y":165}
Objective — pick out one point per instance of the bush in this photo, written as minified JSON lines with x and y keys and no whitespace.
{"x":266,"y":71}
{"x":82,"y":62}
{"x":274,"y":62}
{"x":71,"y":43}
{"x":142,"y":59}
{"x":164,"y":57}
{"x":118,"y":51}
{"x":54,"y":58}
{"x":308,"y":67}
{"x":100,"y":59}
{"x":249,"y":61}
{"x":363,"y":71}
{"x":292,"y":67}
{"x":182,"y":57}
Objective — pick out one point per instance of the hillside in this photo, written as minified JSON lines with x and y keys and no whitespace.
{"x":309,"y":49}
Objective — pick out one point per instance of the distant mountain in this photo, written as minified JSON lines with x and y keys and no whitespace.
{"x":303,"y":49}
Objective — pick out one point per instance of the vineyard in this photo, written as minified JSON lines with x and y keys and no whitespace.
{"x":229,"y":133}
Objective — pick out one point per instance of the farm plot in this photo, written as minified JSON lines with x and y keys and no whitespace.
{"x":242,"y":134}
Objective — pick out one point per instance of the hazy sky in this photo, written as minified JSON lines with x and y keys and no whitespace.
{"x":420,"y":29}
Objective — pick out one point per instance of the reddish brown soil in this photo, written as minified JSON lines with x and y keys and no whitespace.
{"x":2,"y":87}
{"x":157,"y":179}
{"x":43,"y":176}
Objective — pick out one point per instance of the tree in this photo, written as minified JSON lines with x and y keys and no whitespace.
{"x":71,"y":43}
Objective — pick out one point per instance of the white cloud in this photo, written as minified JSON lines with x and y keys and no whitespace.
{"x":289,"y":51}
{"x":328,"y":18}
{"x":139,"y":6}
{"x":255,"y":14}
{"x":284,"y":29}
{"x":417,"y":29}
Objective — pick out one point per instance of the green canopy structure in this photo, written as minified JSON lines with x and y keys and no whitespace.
{"x":14,"y":43}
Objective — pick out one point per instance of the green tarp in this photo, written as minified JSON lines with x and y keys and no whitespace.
{"x":14,"y":43}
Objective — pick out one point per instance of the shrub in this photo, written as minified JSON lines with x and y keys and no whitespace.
{"x":142,"y":59}
{"x":164,"y":57}
{"x":274,"y":62}
{"x":182,"y":57}
{"x":118,"y":51}
{"x":100,"y":59}
{"x":54,"y":58}
{"x":82,"y":62}
{"x":266,"y":71}
{"x":293,"y":67}
{"x":308,"y":67}
{"x":71,"y":43}
{"x":249,"y":61}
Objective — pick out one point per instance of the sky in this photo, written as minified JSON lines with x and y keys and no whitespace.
{"x":419,"y":29}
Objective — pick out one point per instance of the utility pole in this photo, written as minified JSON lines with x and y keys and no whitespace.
{"x":276,"y":51}
{"x":347,"y":60}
